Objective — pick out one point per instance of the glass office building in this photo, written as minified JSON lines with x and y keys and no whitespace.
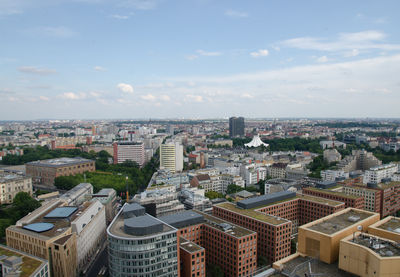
{"x":141,"y":245}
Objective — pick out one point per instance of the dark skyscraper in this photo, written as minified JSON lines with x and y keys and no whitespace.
{"x":236,"y":126}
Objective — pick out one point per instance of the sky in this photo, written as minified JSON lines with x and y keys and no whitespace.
{"x":109,"y":59}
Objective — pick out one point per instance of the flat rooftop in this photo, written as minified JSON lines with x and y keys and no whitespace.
{"x":61,"y":224}
{"x":393,"y":225}
{"x":225,"y":226}
{"x":60,"y":162}
{"x":339,"y":222}
{"x":29,"y":263}
{"x":300,"y":266}
{"x":117,"y":228}
{"x":383,"y":248}
{"x":189,"y":246}
{"x":9,"y":177}
{"x":342,"y":194}
{"x":273,"y":220}
{"x":320,"y":200}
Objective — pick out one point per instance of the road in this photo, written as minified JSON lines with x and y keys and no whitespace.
{"x":101,"y":261}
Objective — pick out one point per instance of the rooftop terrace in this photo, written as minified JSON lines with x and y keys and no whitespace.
{"x":253,"y":214}
{"x":227,"y":227}
{"x":339,"y":222}
{"x":189,"y":246}
{"x":393,"y":225}
{"x":29,"y":263}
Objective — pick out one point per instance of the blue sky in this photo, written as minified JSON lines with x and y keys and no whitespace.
{"x":198,"y":59}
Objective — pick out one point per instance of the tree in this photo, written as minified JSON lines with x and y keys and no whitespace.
{"x":213,"y":195}
{"x":66,"y":182}
{"x":24,"y":203}
{"x":232,"y":188}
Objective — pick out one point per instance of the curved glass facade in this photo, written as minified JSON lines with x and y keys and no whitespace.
{"x":148,"y":256}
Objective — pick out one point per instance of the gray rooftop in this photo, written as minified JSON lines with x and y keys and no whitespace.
{"x":60,"y":162}
{"x":265,"y":199}
{"x":132,"y":210}
{"x":182,"y":219}
{"x":142,"y":225}
{"x":9,"y":177}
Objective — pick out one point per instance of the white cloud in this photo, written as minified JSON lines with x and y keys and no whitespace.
{"x":99,"y":68}
{"x":346,"y":41}
{"x":165,"y":98}
{"x":247,"y":95}
{"x":73,"y":96}
{"x":323,"y":59}
{"x":138,"y":4}
{"x":148,"y":97}
{"x":127,"y":88}
{"x":191,"y":57}
{"x":55,"y":32}
{"x":36,"y":70}
{"x":209,"y":54}
{"x":193,"y":98}
{"x":44,"y":98}
{"x":352,"y":53}
{"x":236,"y":14}
{"x":119,"y":16}
{"x":260,"y":53}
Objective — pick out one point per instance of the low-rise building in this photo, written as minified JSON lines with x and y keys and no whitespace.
{"x":17,"y":263}
{"x":388,"y":228}
{"x":377,"y":174}
{"x":11,"y":184}
{"x":45,"y":171}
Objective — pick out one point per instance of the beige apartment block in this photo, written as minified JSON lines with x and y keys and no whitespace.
{"x":321,"y":238}
{"x":388,"y":228}
{"x":11,"y":184}
{"x":369,"y":256}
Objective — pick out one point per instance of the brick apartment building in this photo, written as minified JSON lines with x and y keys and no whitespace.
{"x":384,"y":198}
{"x":350,"y":200}
{"x":45,"y":171}
{"x":231,"y":247}
{"x":274,"y":216}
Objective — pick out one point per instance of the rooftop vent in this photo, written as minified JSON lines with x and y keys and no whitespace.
{"x":353,"y":218}
{"x":225,"y":226}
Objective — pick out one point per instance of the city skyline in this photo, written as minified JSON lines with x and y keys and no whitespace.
{"x":198,"y":59}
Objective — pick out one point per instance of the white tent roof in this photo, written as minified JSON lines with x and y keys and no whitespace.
{"x":255,"y":142}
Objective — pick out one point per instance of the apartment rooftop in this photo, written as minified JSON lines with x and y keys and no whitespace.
{"x":189,"y":246}
{"x":333,"y":224}
{"x":225,"y":226}
{"x":9,"y":177}
{"x":253,"y":214}
{"x":29,"y":263}
{"x":264,"y":200}
{"x":60,"y":162}
{"x":351,"y":196}
{"x":299,"y":266}
{"x":382,"y":247}
{"x":392,"y":225}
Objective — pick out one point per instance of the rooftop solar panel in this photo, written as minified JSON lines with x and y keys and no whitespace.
{"x":61,"y":212}
{"x":39,"y":227}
